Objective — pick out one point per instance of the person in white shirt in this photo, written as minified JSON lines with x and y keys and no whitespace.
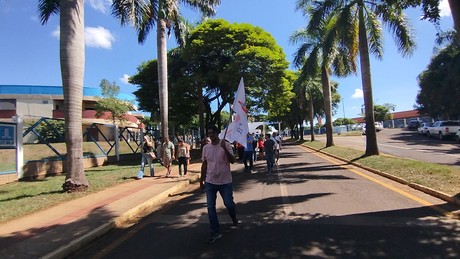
{"x":278,"y":146}
{"x":217,"y":178}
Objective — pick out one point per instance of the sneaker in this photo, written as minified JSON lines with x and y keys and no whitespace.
{"x":213,"y":238}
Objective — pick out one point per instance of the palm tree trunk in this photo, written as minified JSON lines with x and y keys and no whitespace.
{"x":455,"y":10}
{"x":162,"y":76}
{"x":312,"y":114}
{"x":327,"y":105}
{"x":201,"y":112}
{"x":371,"y":136}
{"x":72,"y":57}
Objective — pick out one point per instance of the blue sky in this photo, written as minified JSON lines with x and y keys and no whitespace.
{"x":29,"y":52}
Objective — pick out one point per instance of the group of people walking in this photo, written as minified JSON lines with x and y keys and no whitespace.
{"x":267,"y":147}
{"x":166,"y":154}
{"x":216,"y":176}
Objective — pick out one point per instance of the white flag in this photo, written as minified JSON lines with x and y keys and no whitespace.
{"x":239,"y":128}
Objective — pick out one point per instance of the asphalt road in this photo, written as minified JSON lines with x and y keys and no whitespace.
{"x":313,"y":207}
{"x":407,"y":144}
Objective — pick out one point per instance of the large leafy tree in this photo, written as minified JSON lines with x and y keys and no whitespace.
{"x":72,"y":57}
{"x":440,"y":85}
{"x":359,"y":28}
{"x":184,"y":105}
{"x":320,"y":52}
{"x":219,"y":54}
{"x":165,"y":15}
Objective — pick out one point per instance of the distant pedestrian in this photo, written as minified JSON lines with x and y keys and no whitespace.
{"x":248,"y":154}
{"x":260,"y":145}
{"x":183,"y":156}
{"x":240,"y":150}
{"x":278,"y":147}
{"x":269,"y":149}
{"x":254,"y":147}
{"x":148,"y":154}
{"x":167,"y":155}
{"x":217,"y":177}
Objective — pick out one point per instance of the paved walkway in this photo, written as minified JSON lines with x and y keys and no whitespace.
{"x":63,"y":229}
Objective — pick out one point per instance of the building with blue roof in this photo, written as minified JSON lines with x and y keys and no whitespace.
{"x":33,"y":102}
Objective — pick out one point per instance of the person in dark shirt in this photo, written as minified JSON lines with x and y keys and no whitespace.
{"x":269,"y":149}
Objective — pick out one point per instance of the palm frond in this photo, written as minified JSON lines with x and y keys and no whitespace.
{"x":130,"y":12}
{"x":299,"y":56}
{"x":207,"y":7}
{"x":401,"y":30}
{"x":374,"y":33}
{"x":347,"y":27}
{"x":46,"y":8}
{"x":300,"y":35}
{"x":181,"y":30}
{"x":146,"y":23}
{"x":312,"y":63}
{"x":318,"y":11}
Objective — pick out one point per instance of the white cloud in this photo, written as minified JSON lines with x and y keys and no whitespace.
{"x":97,"y":37}
{"x":125,"y":79}
{"x":35,"y":18}
{"x":56,"y":33}
{"x":100,"y":5}
{"x":358,"y":94}
{"x":444,"y":8}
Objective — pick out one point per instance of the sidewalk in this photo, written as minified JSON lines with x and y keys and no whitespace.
{"x":63,"y":229}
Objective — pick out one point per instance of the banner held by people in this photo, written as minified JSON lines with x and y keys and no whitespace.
{"x":238,"y":129}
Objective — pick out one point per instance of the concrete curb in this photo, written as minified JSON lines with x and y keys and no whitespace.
{"x":427,"y":190}
{"x":139,"y":211}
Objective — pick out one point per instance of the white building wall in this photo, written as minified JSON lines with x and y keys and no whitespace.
{"x":35,"y":108}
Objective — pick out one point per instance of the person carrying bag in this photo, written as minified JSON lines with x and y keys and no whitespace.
{"x":148,"y":155}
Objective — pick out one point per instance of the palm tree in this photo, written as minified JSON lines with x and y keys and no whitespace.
{"x":72,"y":56}
{"x":320,"y":53}
{"x":144,"y":15}
{"x":359,"y":29}
{"x":309,"y":93}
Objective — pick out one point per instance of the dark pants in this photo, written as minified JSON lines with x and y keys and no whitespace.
{"x":240,"y":153}
{"x":248,"y":157}
{"x":226,"y":192}
{"x":269,"y":156}
{"x":183,"y":161}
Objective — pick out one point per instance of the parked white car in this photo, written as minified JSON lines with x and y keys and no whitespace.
{"x":378,"y":127}
{"x":423,"y":129}
{"x":444,"y":129}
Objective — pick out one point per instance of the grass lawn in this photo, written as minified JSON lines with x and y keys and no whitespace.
{"x":21,"y":198}
{"x":41,"y":151}
{"x":438,"y":177}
